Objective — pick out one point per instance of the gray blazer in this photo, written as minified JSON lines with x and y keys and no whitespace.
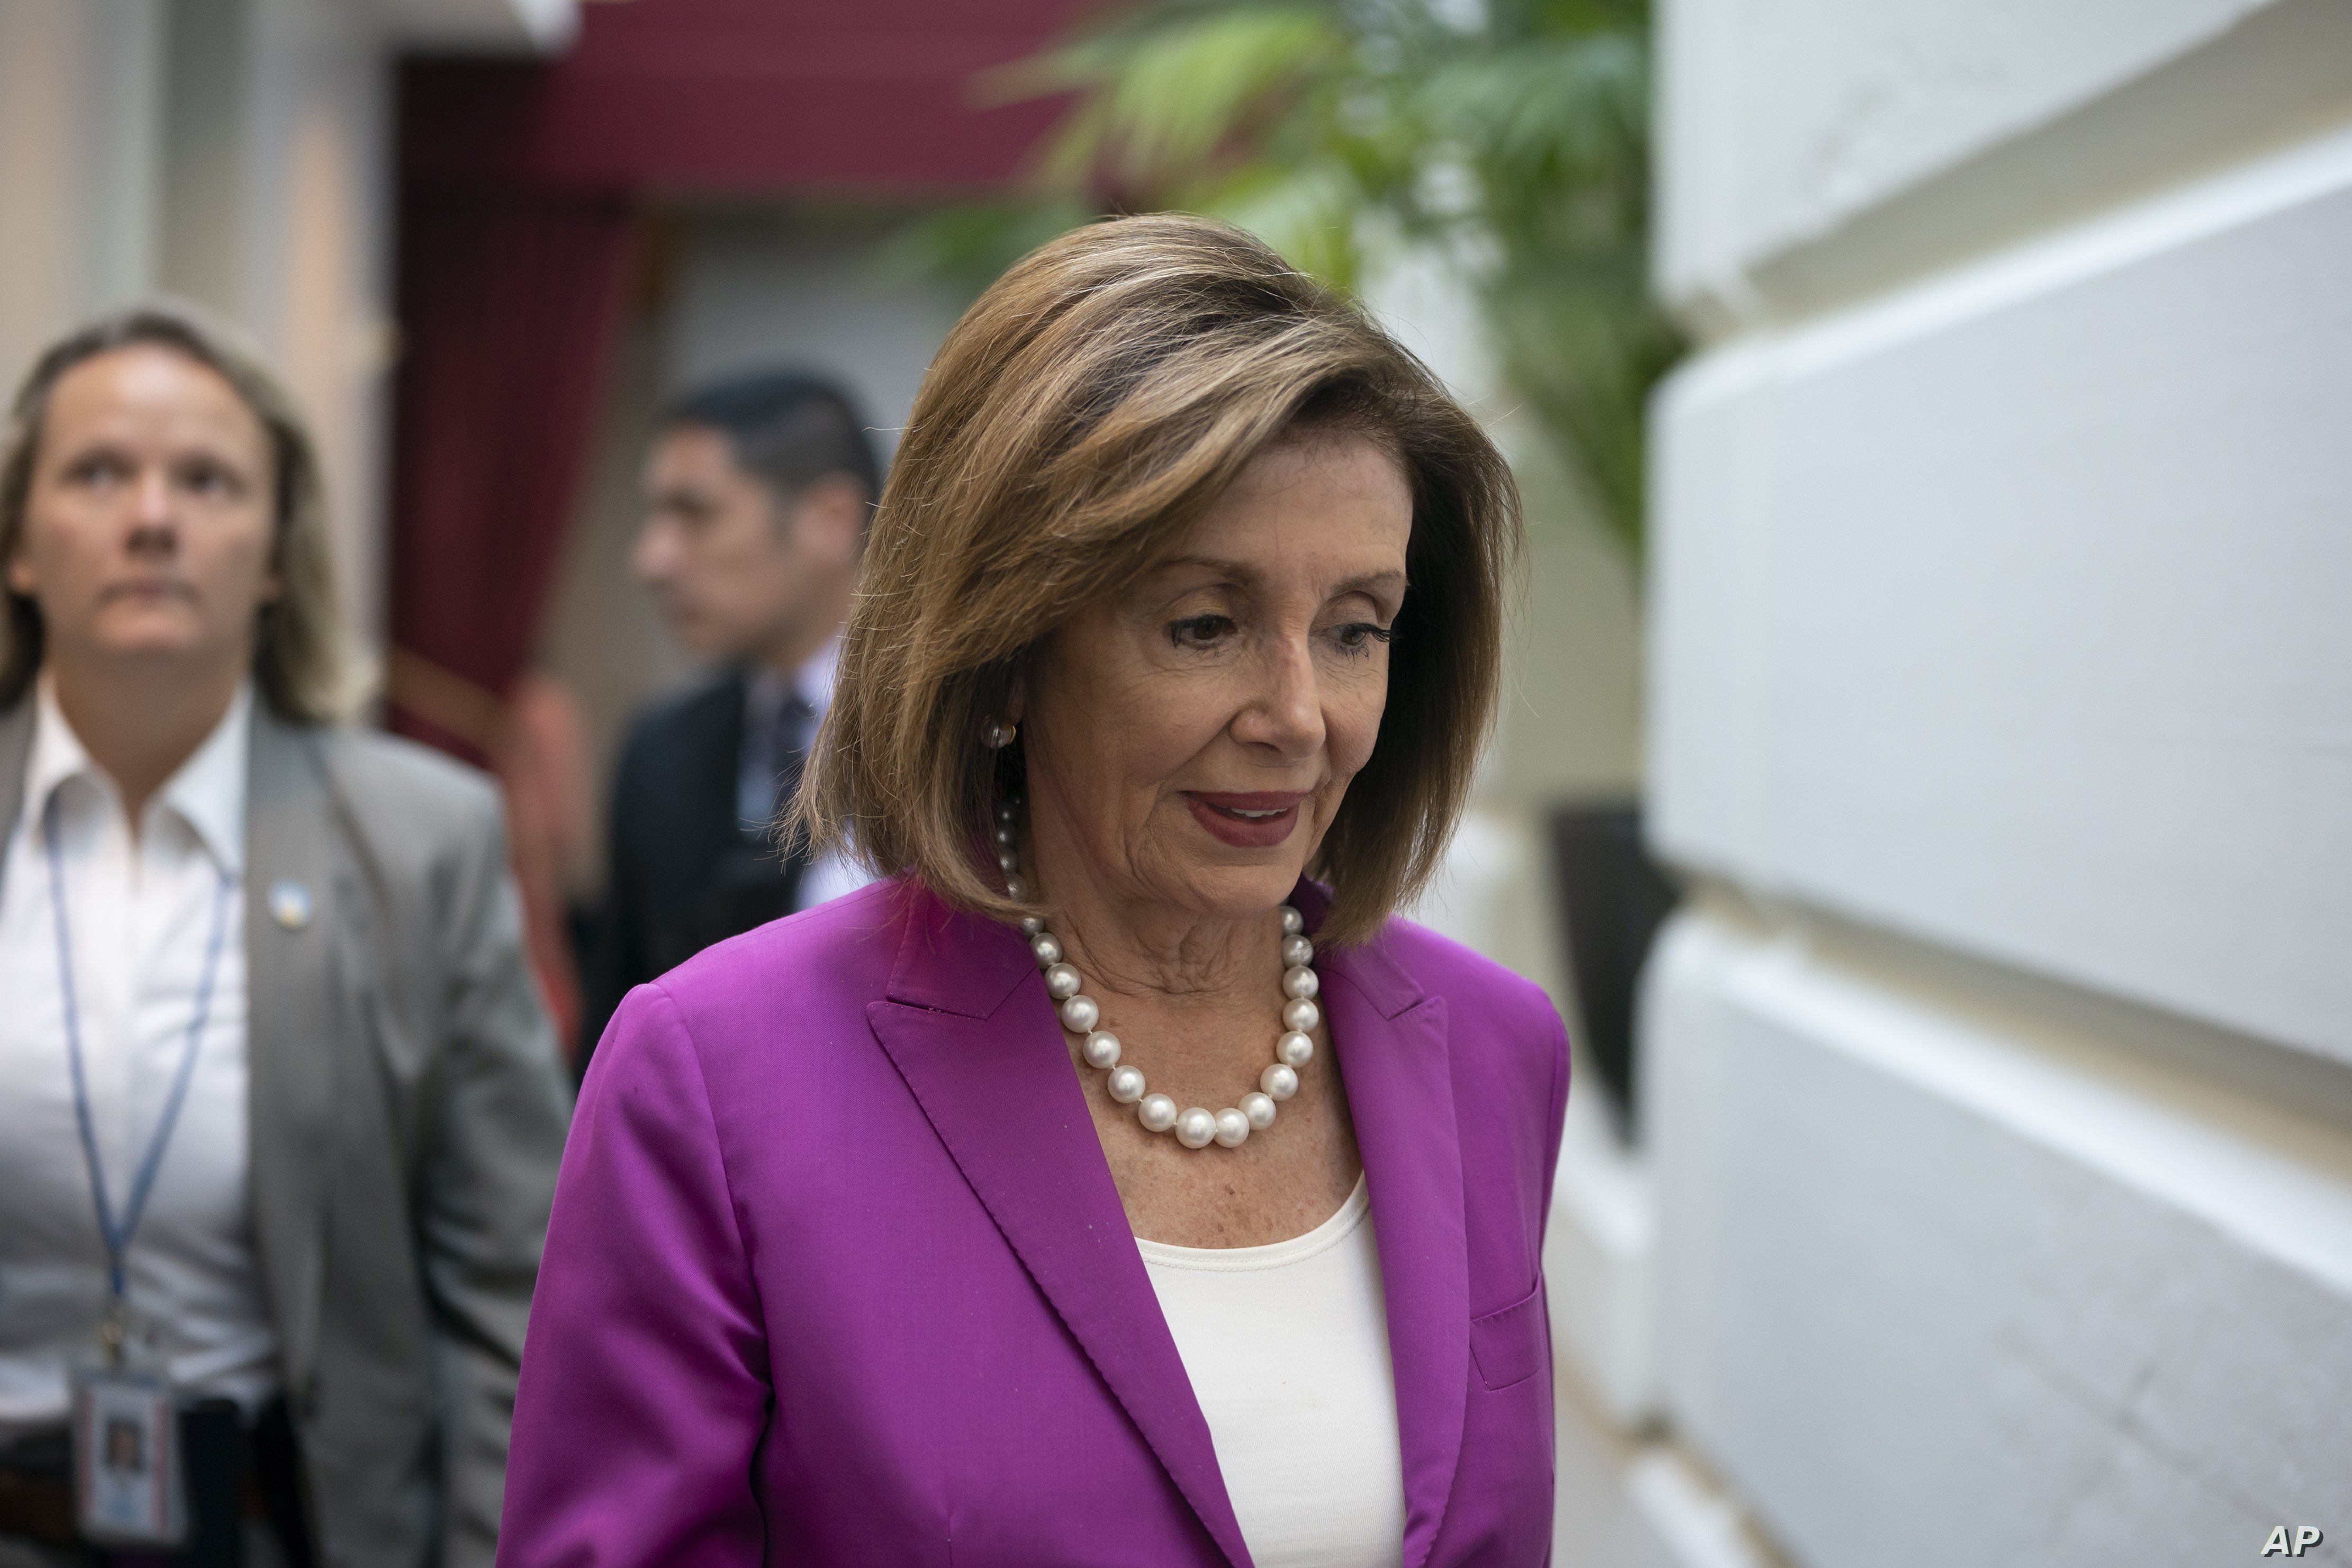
{"x":408,"y":1113}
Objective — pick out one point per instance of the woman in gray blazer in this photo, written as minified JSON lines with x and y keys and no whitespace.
{"x":280,"y":1107}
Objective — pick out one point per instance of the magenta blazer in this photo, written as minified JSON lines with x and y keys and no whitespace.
{"x":837,"y":1274}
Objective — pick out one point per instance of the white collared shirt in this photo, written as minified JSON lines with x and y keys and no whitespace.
{"x":140,"y":910}
{"x":829,"y":875}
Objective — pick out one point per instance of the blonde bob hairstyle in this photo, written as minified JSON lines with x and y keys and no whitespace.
{"x":1084,"y":413}
{"x":303,"y":660}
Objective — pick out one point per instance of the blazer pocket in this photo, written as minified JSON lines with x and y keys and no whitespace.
{"x":1509,"y":1345}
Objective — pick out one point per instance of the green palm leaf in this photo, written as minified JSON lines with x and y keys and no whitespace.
{"x":1521,"y":137}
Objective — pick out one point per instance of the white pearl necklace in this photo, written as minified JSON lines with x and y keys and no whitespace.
{"x":1197,"y":1126}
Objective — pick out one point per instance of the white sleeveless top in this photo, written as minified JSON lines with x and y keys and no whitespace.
{"x":1288,"y":1348}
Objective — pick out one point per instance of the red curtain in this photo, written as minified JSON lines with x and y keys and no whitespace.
{"x":752,"y":97}
{"x":510,"y":300}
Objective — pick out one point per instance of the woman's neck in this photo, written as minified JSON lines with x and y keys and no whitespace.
{"x":141,"y":720}
{"x":1204,"y":984}
{"x":1149,"y":951}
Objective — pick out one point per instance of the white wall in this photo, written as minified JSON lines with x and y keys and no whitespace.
{"x":759,"y":290}
{"x":2000,"y":1077}
{"x":1949,"y":1270}
{"x":81,"y":126}
{"x":1812,"y":151}
{"x":2011,"y":609}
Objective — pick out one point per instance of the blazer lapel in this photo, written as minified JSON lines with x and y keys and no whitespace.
{"x":984,"y":1055}
{"x":1392,"y":1044}
{"x":294,"y":1008}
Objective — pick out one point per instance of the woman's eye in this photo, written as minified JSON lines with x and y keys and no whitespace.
{"x":1199,"y":631}
{"x":99,"y":468}
{"x":1359,"y":636}
{"x":208,"y":479}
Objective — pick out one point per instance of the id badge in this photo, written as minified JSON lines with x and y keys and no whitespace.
{"x":128,"y":1486}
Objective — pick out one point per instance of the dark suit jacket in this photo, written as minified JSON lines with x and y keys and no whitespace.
{"x":682,"y":870}
{"x":406,"y":1110}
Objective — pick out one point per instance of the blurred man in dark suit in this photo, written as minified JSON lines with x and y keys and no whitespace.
{"x":758,"y":491}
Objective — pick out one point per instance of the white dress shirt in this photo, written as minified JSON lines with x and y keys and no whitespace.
{"x":141,"y":911}
{"x":1287,"y":1349}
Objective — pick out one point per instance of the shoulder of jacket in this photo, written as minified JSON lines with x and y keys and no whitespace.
{"x":1470,"y":981}
{"x":859,"y":930}
{"x":396,"y":790}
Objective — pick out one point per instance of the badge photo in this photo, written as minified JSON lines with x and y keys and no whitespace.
{"x":128,"y":1488}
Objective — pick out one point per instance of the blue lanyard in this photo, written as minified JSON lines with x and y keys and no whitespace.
{"x":116,"y":1233}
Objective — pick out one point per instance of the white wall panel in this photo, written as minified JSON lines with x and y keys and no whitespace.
{"x":2016,"y":611}
{"x":1951,"y":1294}
{"x":1783,"y":119}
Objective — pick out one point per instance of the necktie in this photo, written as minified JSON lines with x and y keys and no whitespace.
{"x":775,"y":747}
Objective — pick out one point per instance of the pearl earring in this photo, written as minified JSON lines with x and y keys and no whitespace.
{"x":998,"y":733}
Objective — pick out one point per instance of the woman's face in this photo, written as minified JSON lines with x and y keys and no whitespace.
{"x":147,"y":529}
{"x":1189,"y":742}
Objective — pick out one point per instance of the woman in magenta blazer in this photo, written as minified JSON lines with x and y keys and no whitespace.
{"x":1118,"y":1183}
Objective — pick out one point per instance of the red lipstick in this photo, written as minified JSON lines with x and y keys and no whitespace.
{"x":1246,"y":819}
